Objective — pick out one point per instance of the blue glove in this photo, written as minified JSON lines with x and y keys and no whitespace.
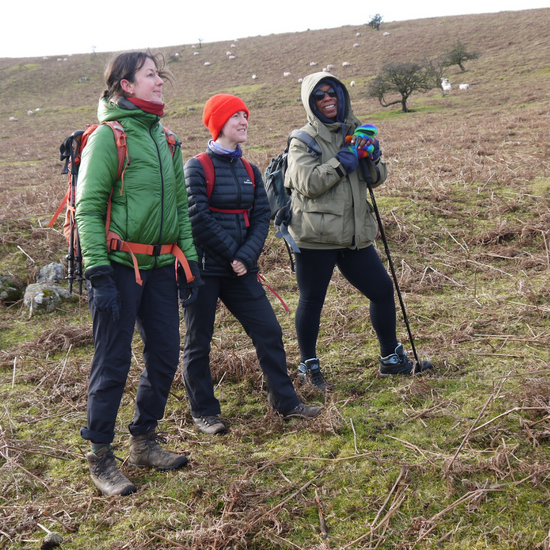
{"x":376,"y":154}
{"x":347,"y":159}
{"x":189,"y":291}
{"x":103,"y":294}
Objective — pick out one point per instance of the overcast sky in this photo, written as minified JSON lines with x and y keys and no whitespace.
{"x":44,"y":27}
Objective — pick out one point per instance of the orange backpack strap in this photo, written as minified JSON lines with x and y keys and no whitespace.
{"x":115,"y":243}
{"x":171,"y":140}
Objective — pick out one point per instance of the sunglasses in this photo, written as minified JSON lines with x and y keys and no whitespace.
{"x":320,"y":95}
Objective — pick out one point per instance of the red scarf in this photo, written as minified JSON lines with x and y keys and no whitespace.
{"x":148,"y":106}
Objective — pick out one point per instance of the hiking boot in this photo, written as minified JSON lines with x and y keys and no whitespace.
{"x":106,"y":475}
{"x":209,"y":424}
{"x":310,"y":374}
{"x":303,"y":411}
{"x":399,"y":363}
{"x":145,"y":452}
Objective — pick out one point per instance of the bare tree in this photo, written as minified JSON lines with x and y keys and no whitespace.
{"x":375,"y":21}
{"x":458,"y":54}
{"x":401,"y":79}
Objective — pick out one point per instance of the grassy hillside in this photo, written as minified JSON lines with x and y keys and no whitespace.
{"x":456,"y":459}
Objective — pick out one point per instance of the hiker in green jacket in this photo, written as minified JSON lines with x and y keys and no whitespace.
{"x":333,"y":225}
{"x":130,"y":265}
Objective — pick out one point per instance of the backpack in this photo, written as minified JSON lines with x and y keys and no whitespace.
{"x":280,"y":196}
{"x":70,"y":151}
{"x":210,"y":177}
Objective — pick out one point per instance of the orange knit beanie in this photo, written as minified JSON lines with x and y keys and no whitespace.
{"x":219,"y":109}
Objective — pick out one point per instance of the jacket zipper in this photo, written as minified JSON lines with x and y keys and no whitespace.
{"x":162,"y":186}
{"x":239,"y":198}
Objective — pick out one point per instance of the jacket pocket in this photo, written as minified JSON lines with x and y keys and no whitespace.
{"x":323,"y":222}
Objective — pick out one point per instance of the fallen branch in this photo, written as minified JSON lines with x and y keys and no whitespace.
{"x":324,"y":533}
{"x":509,"y":412}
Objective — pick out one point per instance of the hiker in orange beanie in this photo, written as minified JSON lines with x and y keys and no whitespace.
{"x":230,"y":215}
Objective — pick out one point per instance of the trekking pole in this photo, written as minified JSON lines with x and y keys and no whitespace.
{"x":74,"y":257}
{"x":368,"y":179}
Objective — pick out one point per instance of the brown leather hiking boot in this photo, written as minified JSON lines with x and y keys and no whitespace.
{"x":106,"y":475}
{"x":145,"y":452}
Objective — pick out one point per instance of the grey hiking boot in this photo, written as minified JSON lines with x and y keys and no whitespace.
{"x":145,"y":452}
{"x":209,"y":424}
{"x":399,"y":363}
{"x":106,"y":475}
{"x":310,"y":374}
{"x":303,"y":411}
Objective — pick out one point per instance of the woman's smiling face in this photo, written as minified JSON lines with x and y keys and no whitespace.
{"x":147,"y":83}
{"x":234,"y":131}
{"x":328,"y":105}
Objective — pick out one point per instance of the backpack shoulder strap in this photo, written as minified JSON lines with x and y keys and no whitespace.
{"x":121,"y":145}
{"x":209,"y":173}
{"x":250,"y":171}
{"x":312,"y":146}
{"x":173,"y":144}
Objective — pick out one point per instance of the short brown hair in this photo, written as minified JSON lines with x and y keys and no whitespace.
{"x":124,"y":67}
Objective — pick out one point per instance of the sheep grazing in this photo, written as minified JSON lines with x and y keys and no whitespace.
{"x":345,"y":64}
{"x":206,"y":64}
{"x":30,"y":112}
{"x":446,"y":85}
{"x":330,"y":68}
{"x":196,"y":53}
{"x":254,"y":77}
{"x":357,"y":34}
{"x":193,"y":46}
{"x":286,"y":74}
{"x":386,"y":33}
{"x":325,"y":70}
{"x":228,"y":53}
{"x":231,"y":57}
{"x":13,"y":119}
{"x":352,"y":83}
{"x":463,"y":86}
{"x":356,"y":45}
{"x":313,"y":64}
{"x":233,"y":46}
{"x":37,"y":109}
{"x":300,"y":80}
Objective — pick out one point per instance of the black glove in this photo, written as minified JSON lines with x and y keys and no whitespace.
{"x":189,"y":292}
{"x":103,"y":294}
{"x":348,"y":159}
{"x":376,"y":154}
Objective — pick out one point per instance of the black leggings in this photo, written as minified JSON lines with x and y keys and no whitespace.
{"x":365,"y":271}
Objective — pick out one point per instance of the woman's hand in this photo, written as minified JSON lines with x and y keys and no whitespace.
{"x":238,"y":267}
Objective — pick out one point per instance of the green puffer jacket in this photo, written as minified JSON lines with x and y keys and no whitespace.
{"x":329,"y":210}
{"x":148,"y":207}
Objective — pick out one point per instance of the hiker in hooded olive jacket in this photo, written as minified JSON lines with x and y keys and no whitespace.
{"x":130,"y":266}
{"x":333,"y":225}
{"x":230,"y":227}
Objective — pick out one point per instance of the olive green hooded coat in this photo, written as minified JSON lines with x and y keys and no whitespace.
{"x":329,"y":207}
{"x":148,"y":205}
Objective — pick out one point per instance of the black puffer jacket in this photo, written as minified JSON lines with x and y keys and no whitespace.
{"x":221,"y":237}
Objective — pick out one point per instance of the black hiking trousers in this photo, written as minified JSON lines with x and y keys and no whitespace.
{"x":154,"y":309}
{"x":245,"y":298}
{"x":365,"y":271}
